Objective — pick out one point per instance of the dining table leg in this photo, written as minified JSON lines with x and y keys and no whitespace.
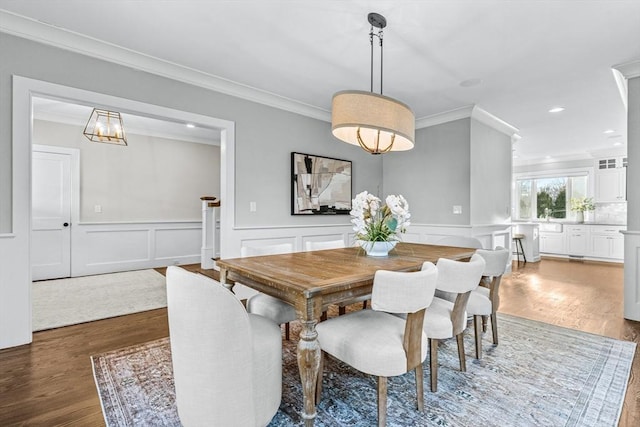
{"x":309,"y":365}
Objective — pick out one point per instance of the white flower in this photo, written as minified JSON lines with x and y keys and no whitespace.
{"x":373,"y":221}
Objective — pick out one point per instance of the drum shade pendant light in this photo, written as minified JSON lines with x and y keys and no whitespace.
{"x":105,"y":126}
{"x":375,"y":122}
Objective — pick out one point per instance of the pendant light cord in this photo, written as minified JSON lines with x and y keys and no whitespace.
{"x":379,"y":36}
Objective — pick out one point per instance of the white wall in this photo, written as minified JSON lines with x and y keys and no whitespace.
{"x":151,"y":179}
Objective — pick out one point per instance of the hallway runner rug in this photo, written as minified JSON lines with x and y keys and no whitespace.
{"x":539,"y":375}
{"x":63,"y":302}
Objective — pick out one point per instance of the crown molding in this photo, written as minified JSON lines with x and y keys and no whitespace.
{"x":48,"y":34}
{"x":629,"y":70}
{"x":483,"y":116}
{"x":444,"y":117}
{"x":469,"y":111}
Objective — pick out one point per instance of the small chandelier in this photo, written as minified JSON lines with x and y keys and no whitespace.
{"x":375,"y":122}
{"x":105,"y":126}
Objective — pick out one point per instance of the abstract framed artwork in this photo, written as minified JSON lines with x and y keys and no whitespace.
{"x":320,"y":185}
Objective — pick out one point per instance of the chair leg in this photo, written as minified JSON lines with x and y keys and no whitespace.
{"x":484,"y":323}
{"x":420,"y":387}
{"x":477,"y":320}
{"x":463,"y":360}
{"x":364,"y":304}
{"x":433,"y":363}
{"x":323,"y":317}
{"x":494,"y":327}
{"x":382,"y":401}
{"x":342,"y":310}
{"x":286,"y":331}
{"x":319,"y":378}
{"x":522,"y":249}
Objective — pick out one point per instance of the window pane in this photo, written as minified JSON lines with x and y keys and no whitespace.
{"x":578,"y":187}
{"x":524,"y":198}
{"x":551,"y":197}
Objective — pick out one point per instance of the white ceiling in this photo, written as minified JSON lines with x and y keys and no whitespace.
{"x":78,"y":115}
{"x":531,"y":55}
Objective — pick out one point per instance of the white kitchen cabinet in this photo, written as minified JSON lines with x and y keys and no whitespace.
{"x":552,"y":242}
{"x":606,"y":242}
{"x":611,"y":180}
{"x":577,"y":239}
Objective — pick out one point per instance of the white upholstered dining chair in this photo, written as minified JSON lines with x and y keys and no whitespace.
{"x":484,"y":300}
{"x":227,"y":364}
{"x":447,"y":317}
{"x":266,"y":305}
{"x":379,"y":343}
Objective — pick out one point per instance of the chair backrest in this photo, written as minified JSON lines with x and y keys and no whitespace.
{"x":496,"y":264}
{"x":282,"y":248}
{"x":401,"y":292}
{"x":459,"y":276}
{"x":211,"y":344}
{"x":495,"y":261}
{"x":460,"y":241}
{"x":330,"y":244}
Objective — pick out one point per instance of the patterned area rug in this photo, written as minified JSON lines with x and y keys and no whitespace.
{"x":63,"y":302}
{"x":539,"y":375}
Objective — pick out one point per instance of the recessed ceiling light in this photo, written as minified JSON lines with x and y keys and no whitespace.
{"x":617,"y":144}
{"x":191,"y":125}
{"x":609,"y":131}
{"x":470,"y":82}
{"x":614,"y":136}
{"x":547,"y":157}
{"x":556,"y":109}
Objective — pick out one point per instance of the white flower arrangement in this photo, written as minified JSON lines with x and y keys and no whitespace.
{"x":374,"y":222}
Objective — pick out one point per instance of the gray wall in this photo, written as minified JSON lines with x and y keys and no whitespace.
{"x":265,"y":136}
{"x":490,"y":175}
{"x":152,"y":179}
{"x":435,"y":175}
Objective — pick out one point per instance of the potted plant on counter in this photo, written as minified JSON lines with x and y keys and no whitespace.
{"x":580,"y":205}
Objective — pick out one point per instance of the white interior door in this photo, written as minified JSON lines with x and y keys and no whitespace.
{"x":51,"y":215}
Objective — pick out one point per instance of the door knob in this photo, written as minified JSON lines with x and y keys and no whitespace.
{"x":66,"y":224}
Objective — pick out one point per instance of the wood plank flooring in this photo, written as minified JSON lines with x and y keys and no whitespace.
{"x":50,"y":382}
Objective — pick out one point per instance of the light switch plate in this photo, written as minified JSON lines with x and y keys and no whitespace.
{"x":457,"y":209}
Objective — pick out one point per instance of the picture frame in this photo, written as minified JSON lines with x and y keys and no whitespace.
{"x":320,"y":185}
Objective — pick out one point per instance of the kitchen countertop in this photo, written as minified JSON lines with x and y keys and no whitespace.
{"x":569,"y":223}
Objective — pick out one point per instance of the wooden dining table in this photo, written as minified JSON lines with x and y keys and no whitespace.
{"x":311,"y":281}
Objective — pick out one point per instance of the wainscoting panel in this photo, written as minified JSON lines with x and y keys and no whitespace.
{"x":632,"y":275}
{"x":490,"y":235}
{"x":112,"y":247}
{"x":177,"y":243}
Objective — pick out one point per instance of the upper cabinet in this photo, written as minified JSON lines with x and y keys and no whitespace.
{"x":611,"y":180}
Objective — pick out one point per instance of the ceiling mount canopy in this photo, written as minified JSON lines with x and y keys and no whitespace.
{"x":377,"y":123}
{"x":105,"y":126}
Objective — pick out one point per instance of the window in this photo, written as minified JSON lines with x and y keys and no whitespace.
{"x":549,"y":196}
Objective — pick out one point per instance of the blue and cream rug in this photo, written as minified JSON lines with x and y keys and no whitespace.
{"x":539,"y":375}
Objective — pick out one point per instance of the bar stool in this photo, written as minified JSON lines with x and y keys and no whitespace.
{"x":517,"y":237}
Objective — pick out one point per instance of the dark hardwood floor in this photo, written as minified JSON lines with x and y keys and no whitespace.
{"x":50,"y":382}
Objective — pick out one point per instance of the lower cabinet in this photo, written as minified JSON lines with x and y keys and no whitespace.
{"x":607,"y":242}
{"x":577,"y":237}
{"x":585,"y":240}
{"x":552,"y":242}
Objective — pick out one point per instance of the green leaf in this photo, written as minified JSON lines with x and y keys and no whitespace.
{"x":392,"y":224}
